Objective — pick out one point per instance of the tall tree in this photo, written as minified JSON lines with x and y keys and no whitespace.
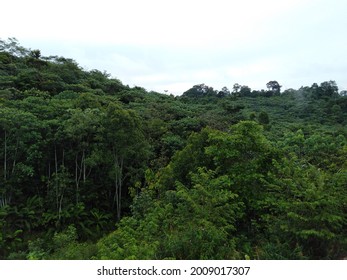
{"x":125,"y":150}
{"x":274,"y":87}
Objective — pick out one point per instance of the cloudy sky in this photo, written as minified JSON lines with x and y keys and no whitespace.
{"x":175,"y":44}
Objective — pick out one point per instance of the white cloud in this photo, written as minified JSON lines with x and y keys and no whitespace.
{"x":151,"y":22}
{"x":177,"y":43}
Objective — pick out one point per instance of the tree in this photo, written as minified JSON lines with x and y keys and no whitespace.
{"x":195,"y":222}
{"x":125,"y":150}
{"x":82,"y":129}
{"x":274,"y":87}
{"x":329,"y":89}
{"x":200,"y":90}
{"x":325,"y":90}
{"x":13,"y":47}
{"x":236,"y":89}
{"x":223,"y":92}
{"x":337,"y":113}
{"x":263,"y":118}
{"x":245,"y":91}
{"x":310,"y":207}
{"x":21,"y":139}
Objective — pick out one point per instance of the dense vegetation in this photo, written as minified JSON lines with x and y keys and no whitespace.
{"x":93,"y":169}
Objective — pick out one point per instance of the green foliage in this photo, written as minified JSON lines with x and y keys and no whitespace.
{"x":187,"y":223}
{"x":263,"y":118}
{"x":311,"y":205}
{"x":201,"y":90}
{"x":64,"y":246}
{"x":90,"y":168}
{"x":274,"y":87}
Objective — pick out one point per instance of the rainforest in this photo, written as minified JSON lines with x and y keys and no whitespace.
{"x":91,"y":168}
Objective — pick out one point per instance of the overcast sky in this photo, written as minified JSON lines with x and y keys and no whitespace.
{"x":175,"y":44}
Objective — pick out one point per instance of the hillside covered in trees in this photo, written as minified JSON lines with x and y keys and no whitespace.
{"x":93,"y":169}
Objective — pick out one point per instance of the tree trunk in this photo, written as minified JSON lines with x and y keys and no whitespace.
{"x":5,"y":157}
{"x":118,"y":181}
{"x":77,"y":181}
{"x":56,"y":174}
{"x":14,"y":158}
{"x":84,"y":165}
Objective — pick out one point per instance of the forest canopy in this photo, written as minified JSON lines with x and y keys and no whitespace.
{"x":91,"y":168}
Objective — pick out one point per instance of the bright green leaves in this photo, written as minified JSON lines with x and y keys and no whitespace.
{"x":187,"y":223}
{"x":245,"y":155}
{"x":231,"y":194}
{"x":203,"y":198}
{"x":210,"y":198}
{"x":311,"y":209}
{"x":243,"y":148}
{"x":323,"y":150}
{"x":63,"y":246}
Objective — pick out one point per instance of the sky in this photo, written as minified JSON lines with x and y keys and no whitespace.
{"x":172,"y":45}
